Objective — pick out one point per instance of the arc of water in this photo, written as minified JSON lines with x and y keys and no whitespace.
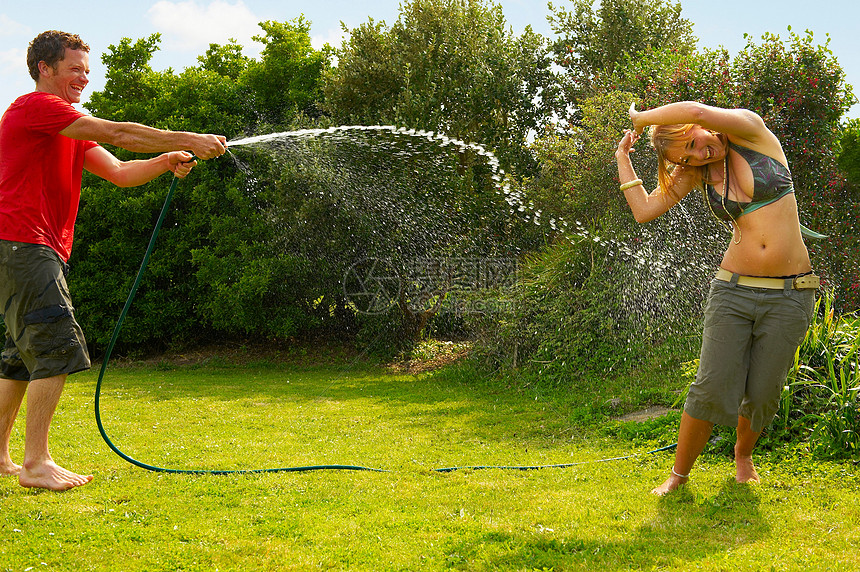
{"x":516,"y":200}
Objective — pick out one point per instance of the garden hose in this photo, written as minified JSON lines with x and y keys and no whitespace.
{"x":107,"y":355}
{"x":149,"y":467}
{"x":559,"y":466}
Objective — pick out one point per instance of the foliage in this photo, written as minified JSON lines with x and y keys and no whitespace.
{"x":339,"y":200}
{"x":286,"y":81}
{"x":575,"y":181}
{"x":594,"y":40}
{"x":450,"y":66}
{"x":579,"y":312}
{"x":840,"y":206}
{"x":212,"y":220}
{"x":848,"y":157}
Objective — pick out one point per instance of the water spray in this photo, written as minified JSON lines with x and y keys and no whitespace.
{"x":171,"y":191}
{"x":517,"y":205}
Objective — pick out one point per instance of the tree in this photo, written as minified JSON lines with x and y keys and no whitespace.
{"x":848,"y":156}
{"x":450,"y":66}
{"x":592,"y":43}
{"x":287,"y":79}
{"x":212,"y":236}
{"x":226,"y":60}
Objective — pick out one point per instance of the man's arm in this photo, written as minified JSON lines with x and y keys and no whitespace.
{"x":102,"y":163}
{"x":142,"y":139}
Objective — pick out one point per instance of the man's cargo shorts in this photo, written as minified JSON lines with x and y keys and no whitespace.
{"x":42,"y":337}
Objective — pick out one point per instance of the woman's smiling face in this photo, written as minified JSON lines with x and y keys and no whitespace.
{"x":700,"y":148}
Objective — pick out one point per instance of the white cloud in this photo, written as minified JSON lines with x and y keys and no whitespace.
{"x":14,"y":59}
{"x":334,"y":37}
{"x":9,"y":28}
{"x":16,"y":79}
{"x":193,"y":25}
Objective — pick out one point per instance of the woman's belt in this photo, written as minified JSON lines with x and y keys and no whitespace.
{"x":797,"y":282}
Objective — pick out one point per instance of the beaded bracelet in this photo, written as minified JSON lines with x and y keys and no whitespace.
{"x":631,"y":184}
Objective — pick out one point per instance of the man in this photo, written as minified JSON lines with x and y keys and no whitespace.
{"x":45,"y":144}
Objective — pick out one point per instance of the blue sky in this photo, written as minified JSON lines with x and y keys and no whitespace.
{"x":189,"y":26}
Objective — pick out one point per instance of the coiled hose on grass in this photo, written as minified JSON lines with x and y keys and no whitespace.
{"x":149,"y":467}
{"x":109,"y":350}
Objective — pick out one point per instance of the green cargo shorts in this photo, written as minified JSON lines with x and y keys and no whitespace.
{"x":42,"y":337}
{"x":748,"y":346}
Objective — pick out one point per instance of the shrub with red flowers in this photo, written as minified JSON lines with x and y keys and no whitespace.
{"x":799,"y":89}
{"x":795,"y":85}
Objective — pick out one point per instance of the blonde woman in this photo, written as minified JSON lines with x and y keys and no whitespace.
{"x":760,"y":302}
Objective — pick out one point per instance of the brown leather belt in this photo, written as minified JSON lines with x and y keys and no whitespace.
{"x":797,"y":283}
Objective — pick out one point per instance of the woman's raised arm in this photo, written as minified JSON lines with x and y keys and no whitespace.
{"x":741,"y":123}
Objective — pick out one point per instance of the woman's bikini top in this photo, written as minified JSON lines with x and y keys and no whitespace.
{"x":772,"y":181}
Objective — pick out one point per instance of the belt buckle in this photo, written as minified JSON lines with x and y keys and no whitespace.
{"x":810,"y":281}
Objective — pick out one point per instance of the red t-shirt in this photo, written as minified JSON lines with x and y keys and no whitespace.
{"x":40,"y":172}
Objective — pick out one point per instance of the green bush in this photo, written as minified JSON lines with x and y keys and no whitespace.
{"x":579,"y":312}
{"x":573,"y":318}
{"x":820,"y":403}
{"x":848,"y":156}
{"x":822,"y":398}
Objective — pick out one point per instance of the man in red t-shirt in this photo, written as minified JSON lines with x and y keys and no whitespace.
{"x":45,"y":144}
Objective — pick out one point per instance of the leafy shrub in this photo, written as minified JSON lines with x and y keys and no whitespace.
{"x":822,"y":397}
{"x":572,"y":319}
{"x":820,"y":403}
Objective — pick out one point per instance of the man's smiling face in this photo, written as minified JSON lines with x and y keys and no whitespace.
{"x":69,"y":78}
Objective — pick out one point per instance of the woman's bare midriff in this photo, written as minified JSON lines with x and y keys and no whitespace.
{"x":770,"y":242}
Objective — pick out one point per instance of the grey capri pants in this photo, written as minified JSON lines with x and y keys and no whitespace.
{"x":748,"y":346}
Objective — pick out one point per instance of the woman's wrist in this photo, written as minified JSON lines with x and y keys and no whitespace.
{"x":622,"y":155}
{"x":630,"y":184}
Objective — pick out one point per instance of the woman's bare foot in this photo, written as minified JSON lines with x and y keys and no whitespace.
{"x":745,"y":470}
{"x":49,"y":475}
{"x":673,"y":482}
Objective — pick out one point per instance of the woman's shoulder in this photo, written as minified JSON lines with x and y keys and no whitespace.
{"x":761,"y":141}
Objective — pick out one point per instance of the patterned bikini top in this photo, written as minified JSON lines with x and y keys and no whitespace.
{"x":772,"y":181}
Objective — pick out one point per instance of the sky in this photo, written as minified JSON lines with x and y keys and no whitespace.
{"x":187,"y":27}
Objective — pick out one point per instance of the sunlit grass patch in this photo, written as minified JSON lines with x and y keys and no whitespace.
{"x":589,"y":516}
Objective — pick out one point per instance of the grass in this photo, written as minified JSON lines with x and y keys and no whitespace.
{"x":804,"y":516}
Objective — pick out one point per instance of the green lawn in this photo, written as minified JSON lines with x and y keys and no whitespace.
{"x":597,"y":516}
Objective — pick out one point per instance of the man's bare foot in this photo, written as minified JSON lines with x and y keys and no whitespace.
{"x":49,"y":475}
{"x":745,"y":470}
{"x":673,"y":482}
{"x":8,"y":468}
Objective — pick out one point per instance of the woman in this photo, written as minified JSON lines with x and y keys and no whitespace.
{"x":760,"y":303}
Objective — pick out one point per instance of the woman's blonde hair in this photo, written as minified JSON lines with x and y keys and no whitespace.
{"x":664,"y":136}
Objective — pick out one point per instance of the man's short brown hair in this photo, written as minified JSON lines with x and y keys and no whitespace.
{"x":50,"y":47}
